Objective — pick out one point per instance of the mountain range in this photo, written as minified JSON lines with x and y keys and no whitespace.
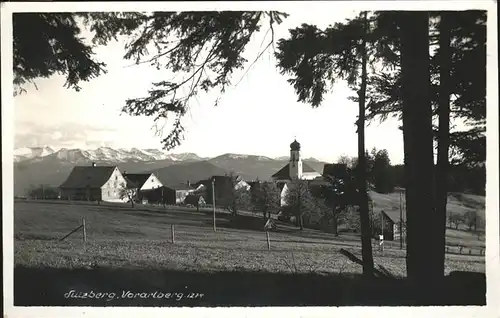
{"x":44,"y":165}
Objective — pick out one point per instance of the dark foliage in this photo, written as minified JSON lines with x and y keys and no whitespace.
{"x":203,"y":49}
{"x":45,"y":44}
{"x":43,"y":192}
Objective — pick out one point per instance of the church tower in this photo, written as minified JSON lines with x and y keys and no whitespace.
{"x":295,"y":161}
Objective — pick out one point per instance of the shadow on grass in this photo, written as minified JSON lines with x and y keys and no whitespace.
{"x":48,"y":287}
{"x":250,"y":223}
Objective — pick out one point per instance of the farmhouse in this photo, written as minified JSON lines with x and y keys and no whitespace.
{"x":93,"y":183}
{"x":143,"y":183}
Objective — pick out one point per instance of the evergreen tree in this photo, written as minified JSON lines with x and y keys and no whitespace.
{"x":317,"y":58}
{"x":381,"y":172}
{"x":45,"y":44}
{"x":423,"y":251}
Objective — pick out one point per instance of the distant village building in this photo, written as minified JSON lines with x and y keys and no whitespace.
{"x":181,"y":190}
{"x":224,"y":187}
{"x":391,"y":220}
{"x":93,"y":183}
{"x":169,"y":194}
{"x":196,"y":200}
{"x":294,"y":170}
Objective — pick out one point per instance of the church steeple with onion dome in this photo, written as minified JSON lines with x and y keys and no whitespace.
{"x":295,"y":160}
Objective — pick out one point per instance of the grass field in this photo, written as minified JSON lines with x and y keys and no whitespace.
{"x":459,"y":203}
{"x":139,"y":238}
{"x":118,"y":235}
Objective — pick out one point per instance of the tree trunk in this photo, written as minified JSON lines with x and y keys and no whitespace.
{"x":335,"y":222}
{"x":366,"y":246}
{"x":424,"y":259}
{"x":301,"y":222}
{"x":443,"y":139}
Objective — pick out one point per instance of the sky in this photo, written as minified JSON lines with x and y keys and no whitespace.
{"x":259,"y":116}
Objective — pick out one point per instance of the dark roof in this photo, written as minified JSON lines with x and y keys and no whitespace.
{"x":88,"y":176}
{"x":136,"y":180}
{"x":180,"y":186}
{"x":131,"y":184}
{"x":284,"y":173}
{"x":218,"y":180}
{"x":394,"y":215}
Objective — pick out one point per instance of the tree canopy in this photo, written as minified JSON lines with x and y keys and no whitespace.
{"x":45,"y":44}
{"x":467,"y":87}
{"x":203,"y":48}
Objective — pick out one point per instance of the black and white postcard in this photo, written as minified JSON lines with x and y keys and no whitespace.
{"x":308,"y":159}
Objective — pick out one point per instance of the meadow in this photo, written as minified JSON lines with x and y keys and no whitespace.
{"x":139,"y":240}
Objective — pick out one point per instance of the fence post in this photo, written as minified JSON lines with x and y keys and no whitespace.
{"x":268,"y":240}
{"x":172,"y":230}
{"x":84,"y":231}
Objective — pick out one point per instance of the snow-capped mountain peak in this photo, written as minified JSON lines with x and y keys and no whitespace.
{"x":32,"y":152}
{"x":109,"y":154}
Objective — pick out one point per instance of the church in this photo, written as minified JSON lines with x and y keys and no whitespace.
{"x":295,"y":169}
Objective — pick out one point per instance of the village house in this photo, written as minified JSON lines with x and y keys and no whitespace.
{"x":179,"y":191}
{"x":391,"y":223}
{"x":143,"y":183}
{"x":93,"y":183}
{"x":158,"y":195}
{"x":223,"y":188}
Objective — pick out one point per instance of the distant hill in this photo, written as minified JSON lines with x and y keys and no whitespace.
{"x":183,"y":172}
{"x":256,"y":166}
